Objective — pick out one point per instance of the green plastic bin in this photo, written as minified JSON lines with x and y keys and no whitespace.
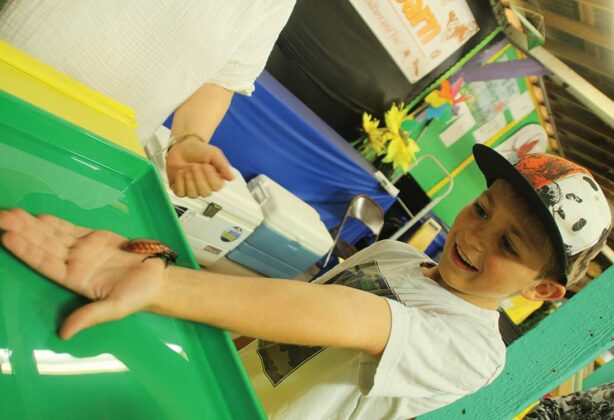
{"x":142,"y":367}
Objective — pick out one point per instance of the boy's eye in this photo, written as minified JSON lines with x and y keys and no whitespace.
{"x":479,"y":210}
{"x":507,"y":246}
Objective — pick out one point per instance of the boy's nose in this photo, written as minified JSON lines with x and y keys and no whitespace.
{"x":476,"y":238}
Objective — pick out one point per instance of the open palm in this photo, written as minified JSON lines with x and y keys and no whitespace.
{"x":195,"y":168}
{"x":88,"y":262}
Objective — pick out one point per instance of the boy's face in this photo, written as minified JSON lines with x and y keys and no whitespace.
{"x":494,"y":249}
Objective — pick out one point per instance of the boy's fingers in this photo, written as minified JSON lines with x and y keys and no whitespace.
{"x":15,"y":219}
{"x":34,"y":256}
{"x":6,"y":221}
{"x":51,"y":232}
{"x":52,"y":245}
{"x":39,"y":233}
{"x":35,"y":231}
{"x":66,"y":231}
{"x":90,"y":315}
{"x":84,"y":317}
{"x":47,"y":224}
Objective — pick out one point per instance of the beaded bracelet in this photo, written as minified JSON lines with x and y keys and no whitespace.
{"x":181,"y":137}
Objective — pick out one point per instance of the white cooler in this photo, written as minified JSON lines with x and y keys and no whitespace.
{"x":291,"y":238}
{"x":218,"y":223}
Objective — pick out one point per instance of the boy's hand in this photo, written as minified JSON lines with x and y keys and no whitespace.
{"x":88,"y":262}
{"x":196,"y":168}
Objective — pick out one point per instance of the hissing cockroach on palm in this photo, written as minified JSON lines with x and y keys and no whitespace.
{"x":153,"y":248}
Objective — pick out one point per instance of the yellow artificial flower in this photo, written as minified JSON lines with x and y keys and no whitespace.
{"x":369,"y":124}
{"x":379,"y":139}
{"x":401,"y":152}
{"x":394,"y":117}
{"x":390,"y":140}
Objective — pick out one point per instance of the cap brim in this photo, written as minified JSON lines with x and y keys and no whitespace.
{"x":494,"y":166}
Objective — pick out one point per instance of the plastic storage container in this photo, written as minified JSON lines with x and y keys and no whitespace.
{"x":216,"y":224}
{"x":144,"y":366}
{"x":291,"y":238}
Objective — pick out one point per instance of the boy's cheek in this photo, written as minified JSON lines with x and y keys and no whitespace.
{"x":505,"y":275}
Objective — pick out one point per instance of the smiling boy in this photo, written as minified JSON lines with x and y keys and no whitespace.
{"x":497,"y":248}
{"x":388,"y":333}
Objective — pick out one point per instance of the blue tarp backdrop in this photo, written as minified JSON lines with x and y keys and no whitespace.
{"x":273,"y":133}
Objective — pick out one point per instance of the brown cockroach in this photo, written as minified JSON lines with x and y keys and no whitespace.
{"x":152,"y":247}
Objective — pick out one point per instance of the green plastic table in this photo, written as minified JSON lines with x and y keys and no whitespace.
{"x":142,"y":367}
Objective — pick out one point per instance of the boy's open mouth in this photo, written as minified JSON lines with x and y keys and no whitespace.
{"x":462,"y":259}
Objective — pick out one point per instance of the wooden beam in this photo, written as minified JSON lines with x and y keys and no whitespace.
{"x":604,"y":137}
{"x":577,"y":29}
{"x":600,"y":158}
{"x":606,"y":5}
{"x":539,"y":361}
{"x":583,"y":91}
{"x":587,"y":16}
{"x":598,"y":4}
{"x":572,"y":107}
{"x":558,"y":93}
{"x":602,"y":164}
{"x":566,"y":52}
{"x":560,"y":98}
{"x":588,"y":161}
{"x":603,"y":180}
{"x":569,"y":138}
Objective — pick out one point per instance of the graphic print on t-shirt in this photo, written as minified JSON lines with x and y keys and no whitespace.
{"x":280,"y":360}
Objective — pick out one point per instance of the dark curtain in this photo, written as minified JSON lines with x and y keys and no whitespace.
{"x":329,"y":58}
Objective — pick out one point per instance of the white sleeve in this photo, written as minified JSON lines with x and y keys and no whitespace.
{"x":378,"y":251}
{"x":431,"y":356}
{"x":250,"y":57}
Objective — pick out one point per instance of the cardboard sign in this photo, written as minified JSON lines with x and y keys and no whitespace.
{"x":418,"y":34}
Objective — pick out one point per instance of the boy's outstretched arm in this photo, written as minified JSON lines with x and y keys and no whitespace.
{"x":278,"y":310}
{"x":120,"y":283}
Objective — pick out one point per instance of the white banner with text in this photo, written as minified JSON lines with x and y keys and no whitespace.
{"x":418,"y":34}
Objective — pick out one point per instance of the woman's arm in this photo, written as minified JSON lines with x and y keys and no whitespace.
{"x":194,"y":167}
{"x":202,"y":112}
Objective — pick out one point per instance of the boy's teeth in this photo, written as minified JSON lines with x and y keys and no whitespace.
{"x":463,"y":257}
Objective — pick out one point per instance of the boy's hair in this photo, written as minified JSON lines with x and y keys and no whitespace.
{"x":551,"y":268}
{"x":565,"y":199}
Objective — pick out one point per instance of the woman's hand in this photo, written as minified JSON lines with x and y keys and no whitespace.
{"x":88,"y":262}
{"x":196,"y":168}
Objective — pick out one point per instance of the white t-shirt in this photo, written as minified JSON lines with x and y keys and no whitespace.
{"x":149,"y":55}
{"x":441,"y":348}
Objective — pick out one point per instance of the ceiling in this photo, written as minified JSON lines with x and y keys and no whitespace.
{"x":579,"y":33}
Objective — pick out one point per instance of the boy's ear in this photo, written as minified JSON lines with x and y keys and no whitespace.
{"x":545,"y":290}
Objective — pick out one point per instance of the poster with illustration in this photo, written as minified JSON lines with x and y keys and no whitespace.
{"x":490,"y":108}
{"x":531,"y":138}
{"x":418,"y":34}
{"x":501,"y":113}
